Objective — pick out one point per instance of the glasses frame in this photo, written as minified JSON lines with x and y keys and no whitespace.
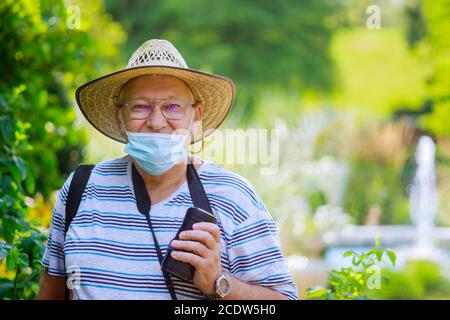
{"x":150,"y":101}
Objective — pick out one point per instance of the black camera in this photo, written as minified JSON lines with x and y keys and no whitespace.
{"x":177,"y":268}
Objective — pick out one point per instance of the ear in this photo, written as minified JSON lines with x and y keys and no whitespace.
{"x":121,"y":119}
{"x":198,"y":115}
{"x":198,"y":112}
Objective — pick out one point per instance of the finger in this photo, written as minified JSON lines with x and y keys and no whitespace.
{"x":188,"y":257}
{"x":191,"y":246}
{"x":212,"y":228}
{"x":199,"y":235}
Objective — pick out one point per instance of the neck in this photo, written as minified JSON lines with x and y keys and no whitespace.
{"x":172,"y":177}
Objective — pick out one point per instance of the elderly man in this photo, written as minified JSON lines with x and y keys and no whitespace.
{"x":158,"y":107}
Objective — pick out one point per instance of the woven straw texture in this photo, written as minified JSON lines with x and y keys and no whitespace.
{"x":96,"y":98}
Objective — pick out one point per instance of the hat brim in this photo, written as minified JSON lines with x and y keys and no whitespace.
{"x":96,"y":98}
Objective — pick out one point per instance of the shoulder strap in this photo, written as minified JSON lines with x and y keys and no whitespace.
{"x":144,"y":204}
{"x":77,"y":185}
{"x":196,"y":189}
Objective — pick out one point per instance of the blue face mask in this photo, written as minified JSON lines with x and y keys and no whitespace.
{"x":156,"y":152}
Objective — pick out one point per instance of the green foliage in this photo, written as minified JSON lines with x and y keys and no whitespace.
{"x":382,"y":166}
{"x":434,"y":51}
{"x":43,"y":61}
{"x":23,"y":260}
{"x":351,"y":283}
{"x":402,"y":67}
{"x":256,"y":43}
{"x":376,"y":188}
{"x":279,"y":54}
{"x":377,"y":72}
{"x":46,"y":59}
{"x":21,"y":244}
{"x":418,"y":279}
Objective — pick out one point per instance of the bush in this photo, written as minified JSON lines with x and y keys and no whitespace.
{"x":351,"y":283}
{"x":43,"y":60}
{"x":418,"y":279}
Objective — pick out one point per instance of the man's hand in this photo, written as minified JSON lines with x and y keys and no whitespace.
{"x":203,"y":244}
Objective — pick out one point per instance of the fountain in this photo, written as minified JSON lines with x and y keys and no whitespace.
{"x":422,"y":240}
{"x":419,"y":241}
{"x":423,"y":204}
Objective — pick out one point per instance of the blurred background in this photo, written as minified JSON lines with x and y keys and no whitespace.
{"x":359,"y":92}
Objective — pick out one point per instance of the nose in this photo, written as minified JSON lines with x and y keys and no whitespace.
{"x":156,"y":121}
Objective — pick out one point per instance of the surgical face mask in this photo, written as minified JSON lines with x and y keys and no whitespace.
{"x":156,"y":153}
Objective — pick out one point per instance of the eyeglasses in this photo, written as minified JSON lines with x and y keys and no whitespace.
{"x":142,"y":108}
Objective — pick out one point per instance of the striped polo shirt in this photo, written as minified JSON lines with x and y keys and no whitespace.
{"x":110,"y":248}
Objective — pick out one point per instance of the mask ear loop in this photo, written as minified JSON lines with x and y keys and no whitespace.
{"x":193,"y":137}
{"x":203,"y":141}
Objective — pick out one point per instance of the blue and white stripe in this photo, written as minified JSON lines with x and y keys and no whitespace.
{"x":111,"y":245}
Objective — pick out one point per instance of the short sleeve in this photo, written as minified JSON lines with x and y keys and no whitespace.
{"x":53,"y":258}
{"x":256,"y":257}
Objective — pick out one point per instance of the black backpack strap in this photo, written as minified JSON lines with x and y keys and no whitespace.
{"x":77,"y":185}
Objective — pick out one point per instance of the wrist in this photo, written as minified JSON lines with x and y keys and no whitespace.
{"x":222,"y":287}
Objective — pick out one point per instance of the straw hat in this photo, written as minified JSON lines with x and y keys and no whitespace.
{"x":96,"y":98}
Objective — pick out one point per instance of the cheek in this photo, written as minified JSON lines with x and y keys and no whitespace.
{"x":182,"y":124}
{"x":178,"y":125}
{"x":133,"y":125}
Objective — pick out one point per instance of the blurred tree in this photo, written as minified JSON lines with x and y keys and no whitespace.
{"x":377,"y":72}
{"x":434,"y":49}
{"x":256,"y":43}
{"x":415,"y":24}
{"x":401,"y":69}
{"x":380,"y":174}
{"x":41,"y":52}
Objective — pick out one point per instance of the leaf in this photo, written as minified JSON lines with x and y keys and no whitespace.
{"x":16,"y":259}
{"x":392,"y":256}
{"x":18,"y":90}
{"x":21,"y":166}
{"x":6,"y":129}
{"x":3,"y":253}
{"x":316,"y":293}
{"x":356,"y":261}
{"x":29,"y":180}
{"x":379,"y":254}
{"x":12,"y":259}
{"x":16,"y":174}
{"x":348,"y":253}
{"x":23,"y":260}
{"x":20,"y":234}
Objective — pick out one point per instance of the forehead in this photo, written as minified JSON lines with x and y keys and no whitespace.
{"x":156,"y":86}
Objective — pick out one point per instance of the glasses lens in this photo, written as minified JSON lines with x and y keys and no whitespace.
{"x":140,"y":110}
{"x":173,"y":110}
